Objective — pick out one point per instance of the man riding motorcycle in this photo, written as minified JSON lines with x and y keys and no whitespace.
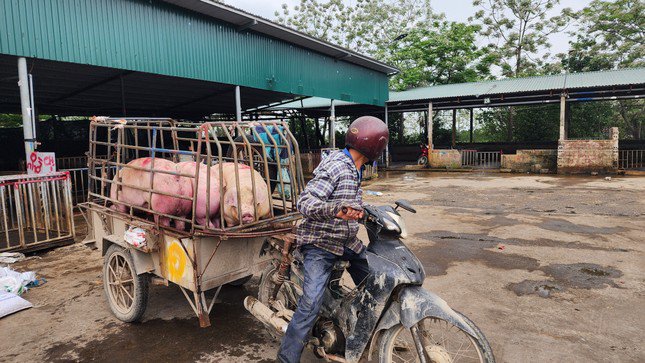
{"x":331,"y":204}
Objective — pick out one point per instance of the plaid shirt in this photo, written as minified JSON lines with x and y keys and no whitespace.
{"x":336,"y":184}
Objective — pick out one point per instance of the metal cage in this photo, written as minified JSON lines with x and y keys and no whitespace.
{"x":268,"y":147}
{"x":35,"y":211}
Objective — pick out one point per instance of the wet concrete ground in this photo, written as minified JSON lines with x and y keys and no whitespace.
{"x":550,"y":268}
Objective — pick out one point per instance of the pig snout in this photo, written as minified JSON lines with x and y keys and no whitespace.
{"x":247,"y":217}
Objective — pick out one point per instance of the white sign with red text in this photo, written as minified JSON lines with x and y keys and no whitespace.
{"x":40,"y":163}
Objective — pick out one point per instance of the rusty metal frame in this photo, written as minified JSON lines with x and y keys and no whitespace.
{"x":205,"y":137}
{"x":36,"y":211}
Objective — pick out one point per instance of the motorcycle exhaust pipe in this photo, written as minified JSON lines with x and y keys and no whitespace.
{"x":264,"y":314}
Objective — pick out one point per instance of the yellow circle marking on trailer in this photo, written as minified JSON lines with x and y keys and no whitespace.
{"x":176,"y":261}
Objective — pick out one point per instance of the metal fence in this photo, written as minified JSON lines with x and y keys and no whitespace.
{"x":631,"y":159}
{"x":481,"y":159}
{"x":35,"y":211}
{"x":79,"y":184}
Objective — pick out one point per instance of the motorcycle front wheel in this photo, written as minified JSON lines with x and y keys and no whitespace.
{"x":440,"y":341}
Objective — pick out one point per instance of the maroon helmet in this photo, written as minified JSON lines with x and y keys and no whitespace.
{"x":368,"y":135}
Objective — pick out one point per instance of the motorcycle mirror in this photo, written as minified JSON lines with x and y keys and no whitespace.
{"x":405,"y":205}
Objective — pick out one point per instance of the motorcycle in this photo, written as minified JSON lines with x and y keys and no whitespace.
{"x":423,"y":158}
{"x":389,"y":315}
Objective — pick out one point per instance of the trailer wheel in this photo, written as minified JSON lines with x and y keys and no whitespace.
{"x":240,"y":282}
{"x":127,"y":292}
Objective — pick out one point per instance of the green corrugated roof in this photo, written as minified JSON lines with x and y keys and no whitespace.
{"x":621,"y":77}
{"x":311,"y":102}
{"x":201,"y":40}
{"x":558,"y":82}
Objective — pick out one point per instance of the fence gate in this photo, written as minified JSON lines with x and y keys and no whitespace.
{"x":631,"y":159}
{"x":481,"y":159}
{"x":35,"y":211}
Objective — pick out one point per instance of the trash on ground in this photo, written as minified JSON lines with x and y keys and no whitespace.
{"x":16,"y":282}
{"x":501,"y":247}
{"x":371,"y":192}
{"x":11,"y":257}
{"x":135,"y":236}
{"x":11,"y":303}
{"x":608,"y":178}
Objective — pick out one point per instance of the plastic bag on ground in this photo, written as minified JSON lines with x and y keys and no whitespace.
{"x":15,"y":282}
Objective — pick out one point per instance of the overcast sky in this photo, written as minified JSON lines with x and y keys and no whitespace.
{"x":456,"y":10}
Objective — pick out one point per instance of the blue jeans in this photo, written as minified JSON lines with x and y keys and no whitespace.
{"x":318,"y":265}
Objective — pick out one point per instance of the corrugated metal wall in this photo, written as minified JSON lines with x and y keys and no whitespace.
{"x":156,"y":37}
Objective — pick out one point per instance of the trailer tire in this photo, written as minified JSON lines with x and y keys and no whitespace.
{"x":126,"y":292}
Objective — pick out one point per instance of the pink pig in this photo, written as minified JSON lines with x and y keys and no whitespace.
{"x":230,"y":207}
{"x":189,"y":168}
{"x":162,"y":182}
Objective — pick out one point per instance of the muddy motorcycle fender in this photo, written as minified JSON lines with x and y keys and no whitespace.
{"x":415,"y":303}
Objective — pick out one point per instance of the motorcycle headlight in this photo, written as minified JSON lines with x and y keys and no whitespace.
{"x":395,"y":225}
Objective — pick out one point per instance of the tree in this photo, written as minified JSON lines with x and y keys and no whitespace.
{"x":518,"y":30}
{"x":366,"y":26}
{"x":610,"y":35}
{"x":439,"y":53}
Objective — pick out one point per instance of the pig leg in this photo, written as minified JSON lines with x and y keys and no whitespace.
{"x":180,"y":225}
{"x":162,"y":221}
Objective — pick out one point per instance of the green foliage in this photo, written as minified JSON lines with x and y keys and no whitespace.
{"x":518,"y":31}
{"x":10,"y":120}
{"x":614,"y":30}
{"x":445,"y":52}
{"x":365,"y":26}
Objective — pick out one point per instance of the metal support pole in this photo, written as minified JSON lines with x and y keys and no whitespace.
{"x":563,"y":103}
{"x":332,"y":126}
{"x":238,"y":104}
{"x":26,"y":108}
{"x":471,"y":125}
{"x":454,"y":127}
{"x":387,"y":146}
{"x":430,"y":126}
{"x":567,"y":120}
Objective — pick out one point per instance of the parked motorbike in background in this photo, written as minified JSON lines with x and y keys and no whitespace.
{"x":389,"y":316}
{"x":423,"y":158}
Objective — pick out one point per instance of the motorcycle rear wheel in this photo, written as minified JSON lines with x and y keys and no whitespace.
{"x":442,"y":343}
{"x":423,"y":160}
{"x":266,"y":289}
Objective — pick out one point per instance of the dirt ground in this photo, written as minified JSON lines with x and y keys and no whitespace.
{"x":550,"y":268}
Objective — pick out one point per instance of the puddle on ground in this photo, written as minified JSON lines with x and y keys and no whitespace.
{"x":175,"y":340}
{"x":583,"y":275}
{"x":562,"y":225}
{"x":540,"y":288}
{"x":450,"y":248}
{"x":577,"y":276}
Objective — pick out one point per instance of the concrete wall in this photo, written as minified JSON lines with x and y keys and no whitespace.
{"x":445,"y":159}
{"x":536,"y":161}
{"x":586,"y":156}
